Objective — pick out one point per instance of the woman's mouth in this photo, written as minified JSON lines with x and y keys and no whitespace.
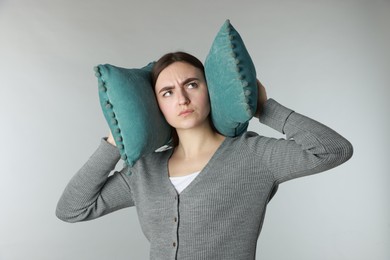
{"x":186,"y":112}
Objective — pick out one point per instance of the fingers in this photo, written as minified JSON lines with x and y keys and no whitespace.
{"x":262,"y":92}
{"x":262,"y":98}
{"x":110,"y":139}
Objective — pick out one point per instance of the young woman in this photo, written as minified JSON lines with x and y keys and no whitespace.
{"x":205,"y":198}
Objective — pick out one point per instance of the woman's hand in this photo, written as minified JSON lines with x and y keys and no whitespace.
{"x":110,"y":139}
{"x":262,"y":98}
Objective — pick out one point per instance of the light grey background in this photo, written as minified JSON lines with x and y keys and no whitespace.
{"x":326,"y":59}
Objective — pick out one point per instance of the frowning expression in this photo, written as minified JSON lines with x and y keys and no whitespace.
{"x":182,"y":95}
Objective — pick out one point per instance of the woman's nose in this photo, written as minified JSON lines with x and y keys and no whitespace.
{"x":183,"y":97}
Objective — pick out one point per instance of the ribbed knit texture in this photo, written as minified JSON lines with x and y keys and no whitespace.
{"x":220,"y":214}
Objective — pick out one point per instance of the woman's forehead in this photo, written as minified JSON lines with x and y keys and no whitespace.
{"x":178,"y":72}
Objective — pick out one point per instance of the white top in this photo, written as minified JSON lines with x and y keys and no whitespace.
{"x":182,"y":182}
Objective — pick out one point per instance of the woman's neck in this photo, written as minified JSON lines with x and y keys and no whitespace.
{"x":197,"y":141}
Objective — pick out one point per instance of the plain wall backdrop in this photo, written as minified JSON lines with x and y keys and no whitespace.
{"x":329,"y":60}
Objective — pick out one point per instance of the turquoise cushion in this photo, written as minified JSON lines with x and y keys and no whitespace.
{"x":131,"y":110}
{"x":231,"y":80}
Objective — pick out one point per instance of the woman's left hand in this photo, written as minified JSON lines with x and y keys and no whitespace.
{"x":262,"y":98}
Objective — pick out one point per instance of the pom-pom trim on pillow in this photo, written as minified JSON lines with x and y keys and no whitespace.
{"x":232,"y":82}
{"x":131,"y":111}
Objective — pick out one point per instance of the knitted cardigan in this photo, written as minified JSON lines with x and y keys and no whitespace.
{"x":220,"y":214}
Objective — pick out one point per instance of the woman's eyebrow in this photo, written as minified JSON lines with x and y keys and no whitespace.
{"x":166,"y":88}
{"x":186,"y":81}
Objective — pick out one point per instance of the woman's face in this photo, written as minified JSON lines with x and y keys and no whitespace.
{"x":182,"y":95}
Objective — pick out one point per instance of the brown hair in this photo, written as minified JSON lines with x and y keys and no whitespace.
{"x":173,"y":57}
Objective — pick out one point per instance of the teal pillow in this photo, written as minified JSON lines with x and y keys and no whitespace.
{"x":231,"y":80}
{"x":130,"y":108}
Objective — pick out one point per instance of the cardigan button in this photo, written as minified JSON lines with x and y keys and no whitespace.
{"x":174,"y":244}
{"x":175,"y":219}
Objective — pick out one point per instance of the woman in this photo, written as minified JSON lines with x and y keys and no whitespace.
{"x":206,"y":197}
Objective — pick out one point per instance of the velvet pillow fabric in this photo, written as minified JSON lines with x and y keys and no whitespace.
{"x":130,"y":108}
{"x":231,"y":80}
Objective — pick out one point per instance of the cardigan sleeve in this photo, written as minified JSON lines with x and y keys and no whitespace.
{"x":309,"y":147}
{"x":93,"y":192}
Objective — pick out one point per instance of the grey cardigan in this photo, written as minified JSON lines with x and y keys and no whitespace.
{"x":220,"y":214}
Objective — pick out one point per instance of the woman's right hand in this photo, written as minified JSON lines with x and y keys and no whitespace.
{"x":110,"y":139}
{"x":262,"y":98}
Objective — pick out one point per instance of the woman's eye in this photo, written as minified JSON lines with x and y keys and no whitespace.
{"x":192,"y":85}
{"x":167,"y":93}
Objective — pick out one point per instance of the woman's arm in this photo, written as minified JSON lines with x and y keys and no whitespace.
{"x":310,"y":147}
{"x":92,"y":193}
